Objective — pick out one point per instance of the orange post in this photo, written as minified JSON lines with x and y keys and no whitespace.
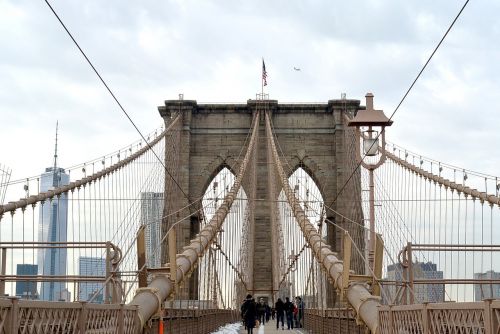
{"x":160,"y":326}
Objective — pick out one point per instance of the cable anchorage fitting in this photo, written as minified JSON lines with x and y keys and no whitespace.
{"x":153,"y":291}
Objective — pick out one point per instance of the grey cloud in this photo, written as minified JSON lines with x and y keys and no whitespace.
{"x":149,"y":51}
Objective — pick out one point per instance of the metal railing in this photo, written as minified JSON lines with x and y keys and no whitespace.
{"x":336,"y":320}
{"x":191,"y":321}
{"x":410,"y":281}
{"x":450,"y":318}
{"x":21,"y":316}
{"x":108,"y":280}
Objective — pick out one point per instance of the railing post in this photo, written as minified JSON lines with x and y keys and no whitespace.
{"x":347,"y":246}
{"x":137,"y":322}
{"x":172,"y":255}
{"x":3,"y":271}
{"x":405,"y":277}
{"x":107,"y":289}
{"x":197,"y":315}
{"x":14,"y":315}
{"x":391,"y":320}
{"x":141,"y":257}
{"x":121,"y":319}
{"x":82,"y":320}
{"x":488,"y":317}
{"x":425,"y":318}
{"x":215,"y":321}
{"x":324,"y":320}
{"x":410,"y":273}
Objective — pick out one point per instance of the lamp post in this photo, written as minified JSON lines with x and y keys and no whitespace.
{"x":370,"y":125}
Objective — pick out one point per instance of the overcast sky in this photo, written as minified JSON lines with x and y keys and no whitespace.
{"x":211,"y":51}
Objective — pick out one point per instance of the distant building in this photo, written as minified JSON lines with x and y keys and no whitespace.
{"x":484,"y":291}
{"x":27,"y":289}
{"x":151,"y":218}
{"x":433,"y":293}
{"x":52,"y":227}
{"x":64,"y":295}
{"x":91,"y":266}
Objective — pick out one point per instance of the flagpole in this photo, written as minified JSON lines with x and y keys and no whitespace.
{"x":262,"y":83}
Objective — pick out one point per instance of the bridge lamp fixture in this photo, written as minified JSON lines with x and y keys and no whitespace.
{"x":370,"y":125}
{"x":367,"y":122}
{"x":292,"y":258}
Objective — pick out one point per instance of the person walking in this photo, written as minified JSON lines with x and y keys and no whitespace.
{"x":295,"y":314}
{"x":279,"y":308}
{"x":300,"y":313}
{"x":261,"y":311}
{"x":289,"y":313}
{"x":268,"y":312}
{"x":249,"y":313}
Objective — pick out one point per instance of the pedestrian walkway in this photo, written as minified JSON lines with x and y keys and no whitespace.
{"x":270,"y":328}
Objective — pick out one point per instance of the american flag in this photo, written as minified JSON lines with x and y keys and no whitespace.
{"x":264,"y":73}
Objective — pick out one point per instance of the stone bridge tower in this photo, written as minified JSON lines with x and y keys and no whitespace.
{"x":210,"y":137}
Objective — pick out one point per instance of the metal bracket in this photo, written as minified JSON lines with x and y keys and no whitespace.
{"x":348,"y":275}
{"x":377,"y":265}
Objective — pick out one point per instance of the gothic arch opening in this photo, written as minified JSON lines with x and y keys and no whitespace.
{"x":297,"y":266}
{"x":219,"y":284}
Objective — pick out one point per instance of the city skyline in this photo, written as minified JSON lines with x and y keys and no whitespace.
{"x":434,"y":201}
{"x":337,"y":64}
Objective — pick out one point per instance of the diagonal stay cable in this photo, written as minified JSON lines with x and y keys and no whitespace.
{"x":218,"y":247}
{"x":113,"y":95}
{"x":403,"y":98}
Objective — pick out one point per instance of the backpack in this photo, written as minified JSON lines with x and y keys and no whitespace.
{"x":245,"y":307}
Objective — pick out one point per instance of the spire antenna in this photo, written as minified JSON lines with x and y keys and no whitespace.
{"x":55,"y":151}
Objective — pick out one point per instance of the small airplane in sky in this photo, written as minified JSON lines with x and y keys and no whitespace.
{"x":296,"y":68}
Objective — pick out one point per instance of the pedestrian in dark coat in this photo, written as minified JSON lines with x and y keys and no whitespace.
{"x":289,"y":313}
{"x":279,"y":307}
{"x":249,"y":313}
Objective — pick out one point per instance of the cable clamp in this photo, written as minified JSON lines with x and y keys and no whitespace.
{"x":155,"y":292}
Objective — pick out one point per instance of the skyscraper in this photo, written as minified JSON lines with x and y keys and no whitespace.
{"x":26,"y":289}
{"x":52,"y":227}
{"x":151,"y":217}
{"x":433,"y":293}
{"x":484,"y":291}
{"x":91,"y":266}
